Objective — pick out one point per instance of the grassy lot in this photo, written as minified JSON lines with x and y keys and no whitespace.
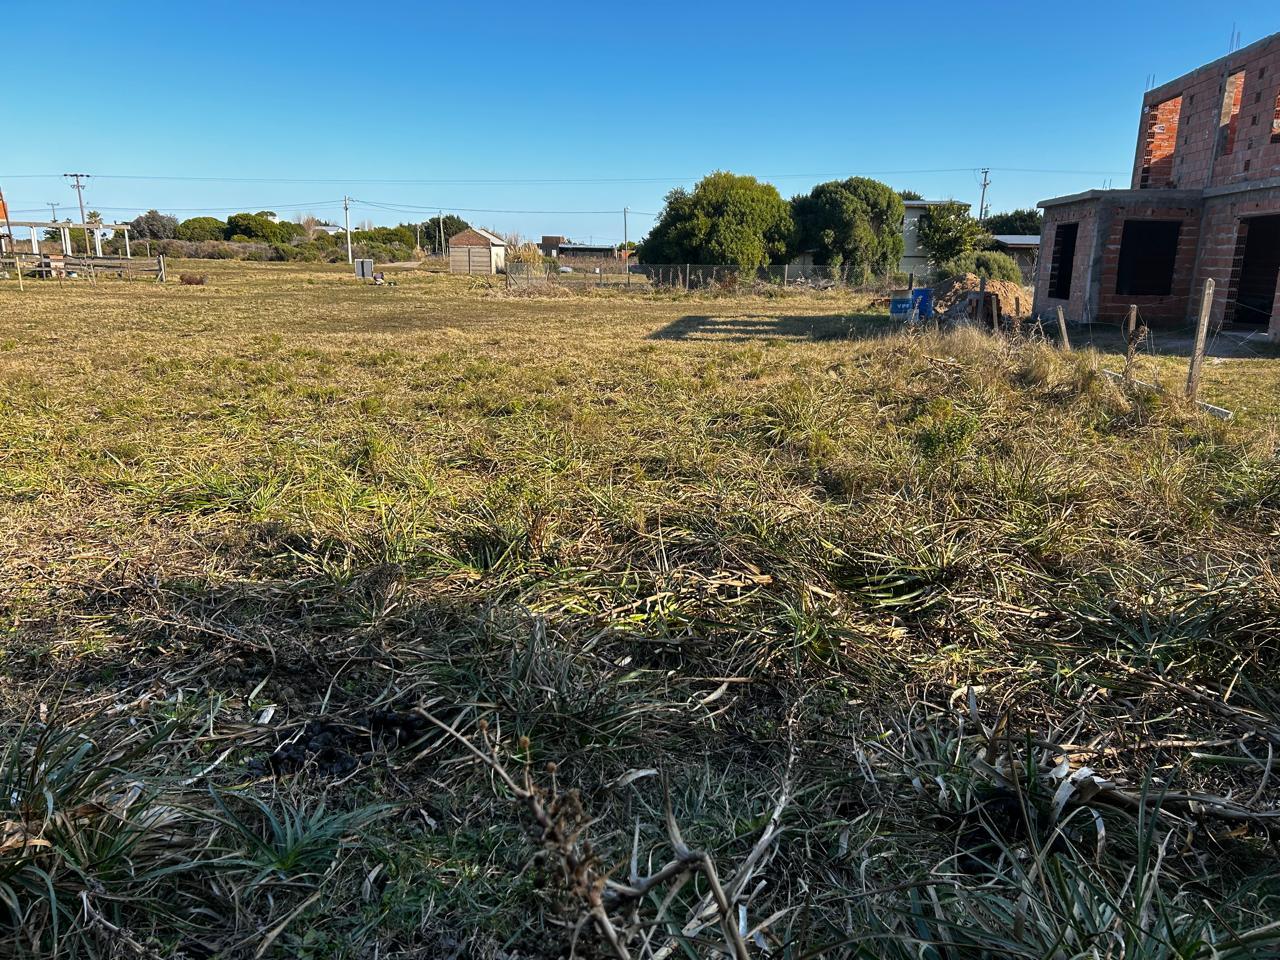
{"x":430,"y":621}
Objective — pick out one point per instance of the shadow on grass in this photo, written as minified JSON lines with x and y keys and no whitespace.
{"x":758,"y":326}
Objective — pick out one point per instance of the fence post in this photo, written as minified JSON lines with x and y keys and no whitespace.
{"x":981,"y":317}
{"x":1202,"y":329}
{"x":686,"y":278}
{"x":1062,"y":330}
{"x":785,"y":274}
{"x":160,"y":275}
{"x":1133,"y":319}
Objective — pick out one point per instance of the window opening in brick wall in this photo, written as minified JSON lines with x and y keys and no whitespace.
{"x":1230,"y":117}
{"x":1064,"y":260}
{"x":1148,"y":251}
{"x":1255,"y":272}
{"x":1161,"y":143}
{"x":1275,"y":123}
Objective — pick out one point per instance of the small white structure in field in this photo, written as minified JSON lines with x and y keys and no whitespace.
{"x":477,"y":251}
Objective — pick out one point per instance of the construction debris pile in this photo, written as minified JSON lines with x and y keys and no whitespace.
{"x":952,"y":300}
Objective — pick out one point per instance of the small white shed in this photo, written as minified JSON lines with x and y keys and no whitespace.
{"x":477,"y":251}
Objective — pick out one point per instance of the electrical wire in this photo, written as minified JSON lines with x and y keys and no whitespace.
{"x":526,"y":181}
{"x":433,"y":208}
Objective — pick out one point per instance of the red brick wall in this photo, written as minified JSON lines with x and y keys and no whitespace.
{"x":1220,"y":233}
{"x":1161,"y":142}
{"x":1159,"y":310}
{"x":1084,"y":213}
{"x":1198,"y":160}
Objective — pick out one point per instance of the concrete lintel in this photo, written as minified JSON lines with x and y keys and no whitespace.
{"x":1151,"y":196}
{"x":1226,"y":190}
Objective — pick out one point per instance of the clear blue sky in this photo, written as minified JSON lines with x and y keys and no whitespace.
{"x":644,"y":94}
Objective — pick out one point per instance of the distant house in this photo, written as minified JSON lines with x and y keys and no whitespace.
{"x":564,"y":248}
{"x":1024,"y":248}
{"x":550,"y":245}
{"x":915,"y":259}
{"x":588,"y":251}
{"x":476,"y":251}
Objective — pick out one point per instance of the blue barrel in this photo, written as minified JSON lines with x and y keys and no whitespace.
{"x":922,"y":300}
{"x":900,"y":306}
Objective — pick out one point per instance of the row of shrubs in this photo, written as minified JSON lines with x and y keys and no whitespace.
{"x":308,"y":251}
{"x":989,"y":264}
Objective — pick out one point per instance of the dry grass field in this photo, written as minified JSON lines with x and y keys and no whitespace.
{"x":430,"y":621}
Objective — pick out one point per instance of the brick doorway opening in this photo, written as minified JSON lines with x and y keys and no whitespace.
{"x":1255,"y":272}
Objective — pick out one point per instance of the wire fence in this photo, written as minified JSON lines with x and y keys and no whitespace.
{"x":696,"y":276}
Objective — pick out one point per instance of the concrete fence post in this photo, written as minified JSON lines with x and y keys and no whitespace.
{"x":1062,"y":330}
{"x":1202,"y":330}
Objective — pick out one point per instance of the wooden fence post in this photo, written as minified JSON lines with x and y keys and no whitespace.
{"x":981,"y":312}
{"x":1062,"y":330}
{"x":1202,"y":330}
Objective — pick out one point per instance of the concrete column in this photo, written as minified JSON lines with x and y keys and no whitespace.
{"x":66,"y":241}
{"x":128,"y":255}
{"x":97,"y":242}
{"x":35,"y":240}
{"x":1273,"y":328}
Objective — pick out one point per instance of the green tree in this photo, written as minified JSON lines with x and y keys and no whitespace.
{"x":856,"y":223}
{"x":431,"y":232}
{"x":255,"y":227}
{"x":947,"y":230}
{"x":910,"y":195}
{"x":154,"y":225}
{"x":201,"y":228}
{"x":403,"y":235}
{"x":1023,"y":222}
{"x":725,"y":219}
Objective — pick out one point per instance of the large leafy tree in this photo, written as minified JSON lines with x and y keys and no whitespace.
{"x":1024,"y":222}
{"x":947,"y":230}
{"x":856,"y":223}
{"x":403,"y":234}
{"x":726,"y":219}
{"x":202,"y":228}
{"x":431,"y":232}
{"x":256,"y":226}
{"x":154,"y":225}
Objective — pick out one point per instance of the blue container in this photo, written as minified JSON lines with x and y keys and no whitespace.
{"x":922,"y":300}
{"x":900,"y":306}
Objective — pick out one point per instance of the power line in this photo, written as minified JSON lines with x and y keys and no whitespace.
{"x":523,"y":181}
{"x":408,"y":208}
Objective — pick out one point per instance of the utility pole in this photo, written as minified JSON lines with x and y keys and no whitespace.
{"x":53,"y":209}
{"x":982,"y":204}
{"x":346,"y":219}
{"x":76,"y":179}
{"x":626,"y":249}
{"x":417,"y":237}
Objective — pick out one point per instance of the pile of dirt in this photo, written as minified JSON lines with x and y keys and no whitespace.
{"x":951,"y":297}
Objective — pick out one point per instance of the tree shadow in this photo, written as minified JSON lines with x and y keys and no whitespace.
{"x":757,"y":326}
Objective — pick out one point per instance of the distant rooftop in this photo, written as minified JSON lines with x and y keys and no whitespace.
{"x":1017,"y":239}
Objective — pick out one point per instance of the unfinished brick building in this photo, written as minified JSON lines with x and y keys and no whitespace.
{"x":1204,"y":202}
